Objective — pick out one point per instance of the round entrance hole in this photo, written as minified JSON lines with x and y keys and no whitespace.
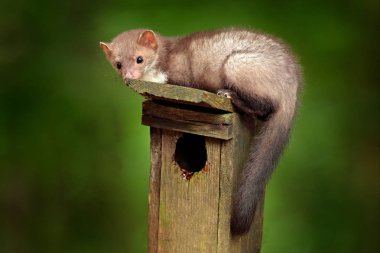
{"x":190,"y":154}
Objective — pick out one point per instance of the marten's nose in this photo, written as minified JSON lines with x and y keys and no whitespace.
{"x":129,"y":75}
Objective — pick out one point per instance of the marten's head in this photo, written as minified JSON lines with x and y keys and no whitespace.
{"x":133,"y":53}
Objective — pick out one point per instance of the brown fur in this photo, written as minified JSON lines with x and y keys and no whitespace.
{"x":261,"y":74}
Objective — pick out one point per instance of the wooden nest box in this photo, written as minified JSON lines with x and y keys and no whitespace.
{"x":199,"y":145}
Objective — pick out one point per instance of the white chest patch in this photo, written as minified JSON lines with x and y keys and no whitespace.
{"x":155,"y":76}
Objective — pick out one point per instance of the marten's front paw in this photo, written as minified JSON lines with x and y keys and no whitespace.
{"x":225,"y":93}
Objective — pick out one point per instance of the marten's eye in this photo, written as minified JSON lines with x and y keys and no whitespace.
{"x":118,"y":65}
{"x":140,"y":60}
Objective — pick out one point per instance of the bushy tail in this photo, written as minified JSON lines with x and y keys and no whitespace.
{"x":265,"y":152}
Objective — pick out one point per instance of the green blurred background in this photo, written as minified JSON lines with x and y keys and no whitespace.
{"x":74,"y":159}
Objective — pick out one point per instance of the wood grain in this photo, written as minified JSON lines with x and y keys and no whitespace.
{"x":154,"y":187}
{"x":157,"y":110}
{"x":217,"y":131}
{"x":234,"y":153}
{"x":188,"y":208}
{"x":180,"y":94}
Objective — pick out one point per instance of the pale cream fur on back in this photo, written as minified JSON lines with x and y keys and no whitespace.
{"x":252,"y":63}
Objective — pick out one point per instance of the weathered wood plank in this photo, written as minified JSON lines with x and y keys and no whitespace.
{"x":234,"y":153}
{"x":188,"y":208}
{"x":223,"y":132}
{"x":154,"y":188}
{"x":167,"y":112}
{"x":180,"y":94}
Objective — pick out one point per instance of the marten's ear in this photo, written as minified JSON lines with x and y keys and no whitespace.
{"x":148,"y":39}
{"x":107,"y":50}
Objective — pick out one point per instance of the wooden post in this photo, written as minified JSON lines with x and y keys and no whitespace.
{"x":189,"y":207}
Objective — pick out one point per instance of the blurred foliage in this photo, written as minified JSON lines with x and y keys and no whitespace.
{"x":74,"y":159}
